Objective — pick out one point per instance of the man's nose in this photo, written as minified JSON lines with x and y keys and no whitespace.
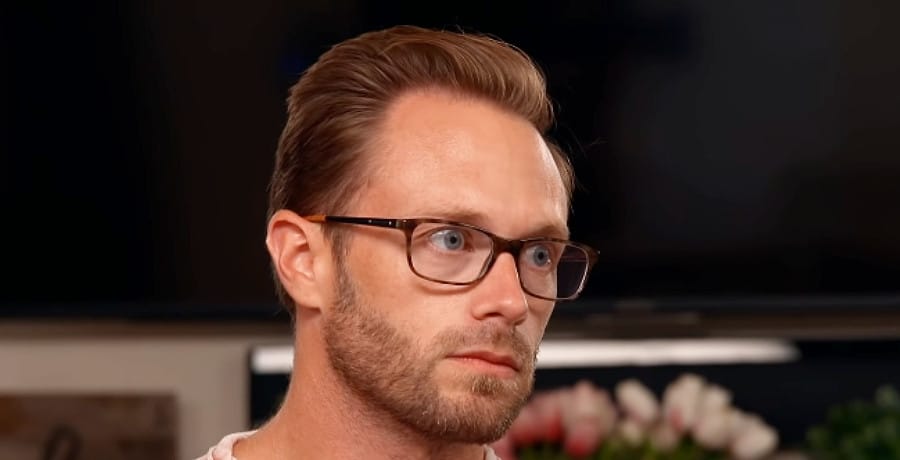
{"x":500,"y":294}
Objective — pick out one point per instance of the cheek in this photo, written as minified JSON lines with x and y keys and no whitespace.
{"x":424,"y":318}
{"x":379,"y":267}
{"x":387,"y":282}
{"x":539,"y":317}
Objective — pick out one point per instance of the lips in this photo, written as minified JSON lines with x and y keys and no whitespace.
{"x":491,"y":357}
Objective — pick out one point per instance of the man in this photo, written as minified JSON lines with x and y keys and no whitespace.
{"x":418,"y":233}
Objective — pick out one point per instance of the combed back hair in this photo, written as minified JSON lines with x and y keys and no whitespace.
{"x":335,"y":108}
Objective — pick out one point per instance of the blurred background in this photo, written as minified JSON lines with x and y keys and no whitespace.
{"x":738,"y":167}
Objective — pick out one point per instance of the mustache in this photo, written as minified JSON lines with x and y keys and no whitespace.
{"x":494,"y":338}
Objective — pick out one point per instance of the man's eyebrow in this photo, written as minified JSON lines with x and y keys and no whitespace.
{"x":460,"y":215}
{"x":468,"y":216}
{"x":552,"y":231}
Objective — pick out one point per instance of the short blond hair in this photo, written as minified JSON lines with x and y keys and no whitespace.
{"x":338,"y":101}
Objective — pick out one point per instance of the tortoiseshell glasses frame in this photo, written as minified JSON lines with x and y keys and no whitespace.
{"x":455,"y":253}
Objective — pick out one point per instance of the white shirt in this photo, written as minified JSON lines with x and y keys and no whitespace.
{"x":224,"y":448}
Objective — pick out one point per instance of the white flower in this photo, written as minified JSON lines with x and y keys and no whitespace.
{"x":714,"y":429}
{"x":691,"y":406}
{"x":681,"y":402}
{"x":637,"y":402}
{"x":753,"y":440}
{"x":714,"y":398}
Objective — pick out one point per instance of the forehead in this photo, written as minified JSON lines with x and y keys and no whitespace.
{"x":443,"y":155}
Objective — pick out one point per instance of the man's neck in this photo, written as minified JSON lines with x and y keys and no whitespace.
{"x":322,"y":419}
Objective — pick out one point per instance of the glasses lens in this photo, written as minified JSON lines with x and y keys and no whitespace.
{"x":449,"y":253}
{"x":552,"y":269}
{"x":456,"y":254}
{"x":572,"y":271}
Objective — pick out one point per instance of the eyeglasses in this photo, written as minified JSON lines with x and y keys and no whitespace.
{"x":459,"y":254}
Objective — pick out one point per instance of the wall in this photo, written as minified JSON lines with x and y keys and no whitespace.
{"x":202,"y":364}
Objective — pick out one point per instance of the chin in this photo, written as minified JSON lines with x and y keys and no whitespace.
{"x":489,"y":393}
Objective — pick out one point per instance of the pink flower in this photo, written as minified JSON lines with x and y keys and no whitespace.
{"x":589,"y":416}
{"x":681,"y":402}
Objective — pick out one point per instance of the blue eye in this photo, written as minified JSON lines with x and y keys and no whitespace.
{"x":450,"y":239}
{"x":539,"y":255}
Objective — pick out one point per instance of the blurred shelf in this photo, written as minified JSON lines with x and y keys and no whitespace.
{"x":830,"y":325}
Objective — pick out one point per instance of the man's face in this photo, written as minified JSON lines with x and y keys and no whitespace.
{"x":453,"y":362}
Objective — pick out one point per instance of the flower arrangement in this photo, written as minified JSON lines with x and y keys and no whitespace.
{"x":694,"y":420}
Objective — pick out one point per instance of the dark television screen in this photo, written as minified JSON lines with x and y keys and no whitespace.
{"x":728,"y":153}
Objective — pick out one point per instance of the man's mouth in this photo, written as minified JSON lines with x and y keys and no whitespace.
{"x":495,"y":362}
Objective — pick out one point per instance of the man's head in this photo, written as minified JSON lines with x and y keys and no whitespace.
{"x":335,"y":109}
{"x":410,"y":123}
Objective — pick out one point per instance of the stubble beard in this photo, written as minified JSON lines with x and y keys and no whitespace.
{"x":396,"y":376}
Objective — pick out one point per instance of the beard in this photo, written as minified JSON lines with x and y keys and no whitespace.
{"x":396,"y":375}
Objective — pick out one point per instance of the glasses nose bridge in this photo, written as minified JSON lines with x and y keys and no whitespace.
{"x":500,"y":245}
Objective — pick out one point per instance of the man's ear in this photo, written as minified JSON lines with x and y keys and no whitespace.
{"x":297,"y":248}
